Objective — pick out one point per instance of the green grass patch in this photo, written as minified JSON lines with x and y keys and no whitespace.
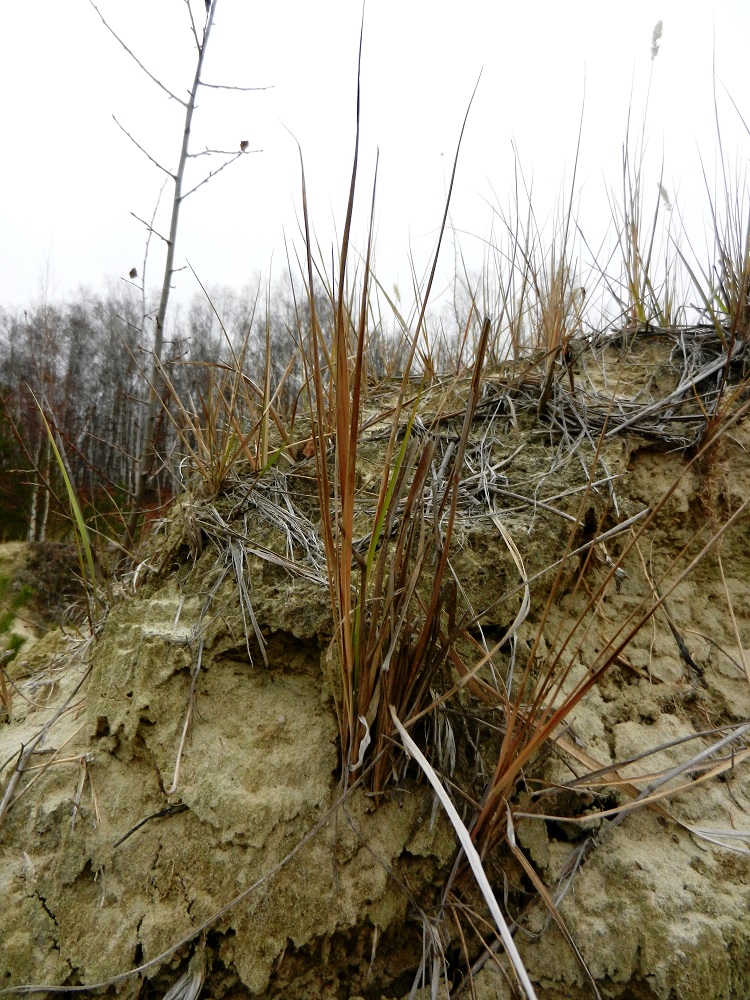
{"x":15,"y":641}
{"x":9,"y":606}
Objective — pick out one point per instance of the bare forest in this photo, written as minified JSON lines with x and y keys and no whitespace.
{"x":85,"y":366}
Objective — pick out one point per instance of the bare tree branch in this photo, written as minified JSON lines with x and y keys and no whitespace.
{"x":223,"y":86}
{"x":145,"y":153}
{"x":223,"y":152}
{"x":192,"y":23}
{"x":213,"y":173}
{"x":150,"y":227}
{"x":136,"y":59}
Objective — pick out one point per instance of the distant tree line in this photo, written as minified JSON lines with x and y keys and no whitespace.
{"x":84,"y":364}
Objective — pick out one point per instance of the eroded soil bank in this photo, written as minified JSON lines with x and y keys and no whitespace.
{"x":176,"y":771}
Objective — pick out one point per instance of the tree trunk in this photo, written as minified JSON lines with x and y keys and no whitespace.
{"x":148,"y":436}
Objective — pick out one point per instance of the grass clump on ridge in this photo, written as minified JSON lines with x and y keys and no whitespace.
{"x":404,"y":644}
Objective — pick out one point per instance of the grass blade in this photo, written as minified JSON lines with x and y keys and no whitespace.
{"x":472,"y":856}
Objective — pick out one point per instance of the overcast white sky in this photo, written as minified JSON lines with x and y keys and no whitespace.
{"x":71,"y":178}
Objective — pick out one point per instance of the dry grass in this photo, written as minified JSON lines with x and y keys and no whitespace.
{"x":403,"y":649}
